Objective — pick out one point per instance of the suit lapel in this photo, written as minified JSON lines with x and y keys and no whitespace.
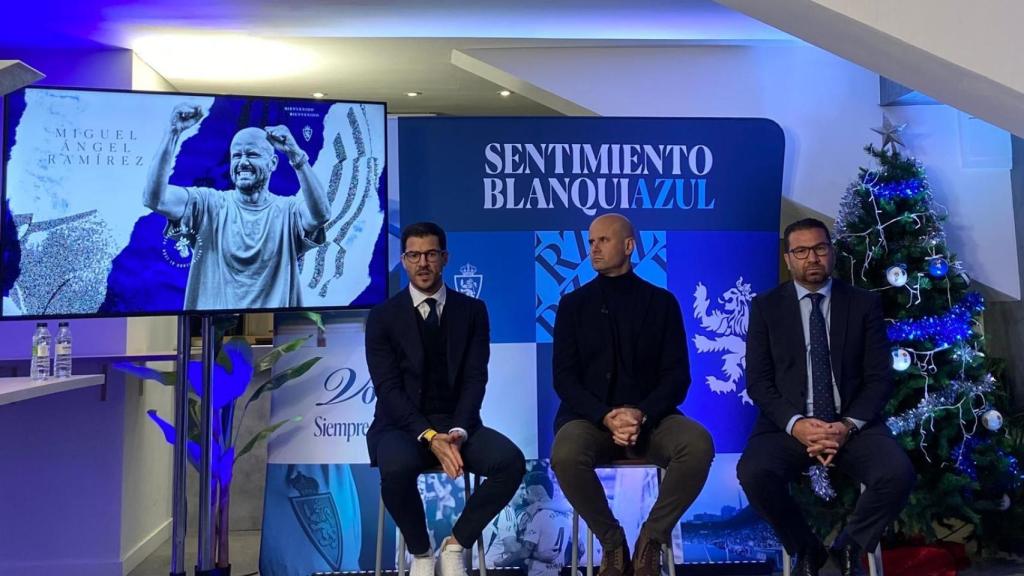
{"x":840,"y":312}
{"x":794,"y":330}
{"x":408,"y":330}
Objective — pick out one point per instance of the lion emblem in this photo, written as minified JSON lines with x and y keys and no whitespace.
{"x":725,"y":333}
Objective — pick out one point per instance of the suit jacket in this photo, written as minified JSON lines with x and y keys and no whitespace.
{"x":394,"y":355}
{"x":777,"y":355}
{"x":583,"y":358}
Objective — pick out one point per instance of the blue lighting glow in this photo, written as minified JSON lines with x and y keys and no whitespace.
{"x":945,"y":330}
{"x":900,"y":189}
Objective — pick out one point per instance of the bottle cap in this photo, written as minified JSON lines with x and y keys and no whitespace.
{"x":40,"y":324}
{"x":61,"y":324}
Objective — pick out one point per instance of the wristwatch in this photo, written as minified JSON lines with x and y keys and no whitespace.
{"x":851,"y":426}
{"x":429,"y":435}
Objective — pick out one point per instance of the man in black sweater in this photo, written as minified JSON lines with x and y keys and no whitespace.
{"x":620,"y":370}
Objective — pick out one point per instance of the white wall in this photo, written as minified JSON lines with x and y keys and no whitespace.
{"x":147,"y":471}
{"x":826,"y":106}
{"x":982,"y":37}
{"x":148,"y":459}
{"x":960,"y":53}
{"x":968,"y":163}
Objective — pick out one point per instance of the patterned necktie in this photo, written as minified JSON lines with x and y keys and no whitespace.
{"x":821,"y":363}
{"x":432,"y":318}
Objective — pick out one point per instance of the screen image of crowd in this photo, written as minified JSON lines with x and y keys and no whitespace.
{"x":543,"y":518}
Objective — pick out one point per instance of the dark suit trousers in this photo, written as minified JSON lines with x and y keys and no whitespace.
{"x":678,"y":444}
{"x":873,"y":458}
{"x":401,"y":459}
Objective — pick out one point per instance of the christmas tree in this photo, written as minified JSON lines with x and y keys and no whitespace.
{"x":946,"y":409}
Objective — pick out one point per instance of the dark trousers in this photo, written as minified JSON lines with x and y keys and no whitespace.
{"x":678,"y":444}
{"x":873,"y":458}
{"x":401,"y":459}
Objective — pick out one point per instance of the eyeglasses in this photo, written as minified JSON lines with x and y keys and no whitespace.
{"x":802,"y":252}
{"x":413,"y":256}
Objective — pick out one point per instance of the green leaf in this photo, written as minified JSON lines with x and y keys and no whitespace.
{"x":316,"y":318}
{"x":263,"y":435}
{"x":282,"y":378}
{"x":146,"y":373}
{"x":274,"y":355}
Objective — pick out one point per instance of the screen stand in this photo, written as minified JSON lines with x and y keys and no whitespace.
{"x":205,"y":563}
{"x":179,"y":509}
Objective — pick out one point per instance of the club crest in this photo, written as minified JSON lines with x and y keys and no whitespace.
{"x":468,"y":281}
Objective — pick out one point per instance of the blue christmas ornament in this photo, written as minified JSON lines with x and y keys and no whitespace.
{"x":938,"y":267}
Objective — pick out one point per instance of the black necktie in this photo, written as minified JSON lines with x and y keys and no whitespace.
{"x":824,"y":403}
{"x":432,"y":319}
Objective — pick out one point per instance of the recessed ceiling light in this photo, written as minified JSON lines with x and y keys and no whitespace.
{"x":318,"y":94}
{"x":504,"y":93}
{"x":413,"y":94}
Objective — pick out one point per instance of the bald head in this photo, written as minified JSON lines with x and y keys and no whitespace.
{"x":611,"y":244}
{"x":254,"y":137}
{"x":616,"y":222}
{"x":252,"y":160}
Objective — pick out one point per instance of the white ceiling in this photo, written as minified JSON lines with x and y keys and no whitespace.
{"x":368,"y":50}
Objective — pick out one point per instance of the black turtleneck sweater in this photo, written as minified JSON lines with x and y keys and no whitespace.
{"x":621,"y":306}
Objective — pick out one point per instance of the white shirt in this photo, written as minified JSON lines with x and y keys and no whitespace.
{"x":419,"y":300}
{"x":805,"y":318}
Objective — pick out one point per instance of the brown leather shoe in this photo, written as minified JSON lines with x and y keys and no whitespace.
{"x":615,"y":561}
{"x":647,"y":556}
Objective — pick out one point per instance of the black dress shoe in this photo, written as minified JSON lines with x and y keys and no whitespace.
{"x":847,"y":558}
{"x":809,"y":562}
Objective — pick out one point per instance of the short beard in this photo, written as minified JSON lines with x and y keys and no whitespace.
{"x":255,"y":185}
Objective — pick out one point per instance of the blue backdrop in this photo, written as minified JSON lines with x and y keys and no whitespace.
{"x":516,"y":196}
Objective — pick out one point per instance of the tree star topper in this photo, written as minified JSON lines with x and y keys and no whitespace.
{"x":890,"y":133}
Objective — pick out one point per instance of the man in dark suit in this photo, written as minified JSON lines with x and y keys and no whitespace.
{"x":620,"y":370}
{"x":819,"y":370}
{"x":427,"y":349}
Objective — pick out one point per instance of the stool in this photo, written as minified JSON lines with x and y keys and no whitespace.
{"x":666,"y":550}
{"x":874,"y":558}
{"x":401,"y":537}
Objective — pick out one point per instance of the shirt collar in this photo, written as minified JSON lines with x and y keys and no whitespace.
{"x":419,"y":297}
{"x":825,"y":290}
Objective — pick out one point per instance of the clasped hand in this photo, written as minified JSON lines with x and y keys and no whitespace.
{"x":624,"y":424}
{"x":822,"y":439}
{"x":447,"y":449}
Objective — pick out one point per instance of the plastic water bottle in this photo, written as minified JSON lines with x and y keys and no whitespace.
{"x":62,"y":352}
{"x":41,"y":352}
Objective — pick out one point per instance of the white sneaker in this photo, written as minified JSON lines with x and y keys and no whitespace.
{"x":422,"y":566}
{"x":453,"y":559}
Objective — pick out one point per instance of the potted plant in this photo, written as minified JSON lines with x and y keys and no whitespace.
{"x":232,"y":375}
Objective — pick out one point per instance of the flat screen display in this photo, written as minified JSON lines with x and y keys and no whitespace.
{"x":119,"y":203}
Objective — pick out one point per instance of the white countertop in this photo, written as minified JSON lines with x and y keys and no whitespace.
{"x":17,"y":389}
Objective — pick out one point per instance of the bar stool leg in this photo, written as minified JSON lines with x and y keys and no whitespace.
{"x":401,"y":554}
{"x":787,"y":563}
{"x":668,"y":550}
{"x":575,"y":543}
{"x":481,"y":559}
{"x":590,"y":552}
{"x":380,"y":535}
{"x":875,"y":562}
